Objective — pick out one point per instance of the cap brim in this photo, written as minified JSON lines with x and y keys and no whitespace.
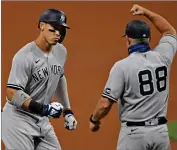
{"x":57,"y":23}
{"x":124,"y":35}
{"x":65,"y":25}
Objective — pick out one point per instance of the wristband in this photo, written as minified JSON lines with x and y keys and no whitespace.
{"x":67,"y":112}
{"x":92,"y":121}
{"x":36,"y":107}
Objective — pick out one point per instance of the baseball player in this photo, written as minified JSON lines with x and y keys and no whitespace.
{"x":36,"y":76}
{"x":140,"y":84}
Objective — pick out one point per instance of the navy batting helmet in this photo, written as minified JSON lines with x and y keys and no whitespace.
{"x":54,"y":17}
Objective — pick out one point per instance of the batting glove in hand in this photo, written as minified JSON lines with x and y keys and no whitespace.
{"x":70,"y":121}
{"x":52,"y":110}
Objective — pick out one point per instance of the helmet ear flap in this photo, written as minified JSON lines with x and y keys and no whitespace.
{"x":63,"y":34}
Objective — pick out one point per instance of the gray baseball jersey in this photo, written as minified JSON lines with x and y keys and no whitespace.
{"x":36,"y":72}
{"x":141,"y":82}
{"x":38,"y":75}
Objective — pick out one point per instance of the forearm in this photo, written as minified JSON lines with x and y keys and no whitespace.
{"x":23,"y":100}
{"x":102,"y":109}
{"x":163,"y":26}
{"x":18,"y":98}
{"x":100,"y":113}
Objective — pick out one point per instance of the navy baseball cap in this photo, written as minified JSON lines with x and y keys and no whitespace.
{"x":137,"y":29}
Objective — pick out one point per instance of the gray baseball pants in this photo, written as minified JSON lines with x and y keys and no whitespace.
{"x":23,"y":132}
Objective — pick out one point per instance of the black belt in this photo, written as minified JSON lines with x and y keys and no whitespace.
{"x":151,"y":122}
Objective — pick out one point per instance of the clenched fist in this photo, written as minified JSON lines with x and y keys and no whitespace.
{"x":138,"y":10}
{"x":70,"y":121}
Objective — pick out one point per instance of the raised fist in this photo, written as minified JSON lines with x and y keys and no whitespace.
{"x":138,"y":10}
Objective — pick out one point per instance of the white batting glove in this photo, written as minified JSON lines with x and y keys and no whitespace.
{"x":70,"y":121}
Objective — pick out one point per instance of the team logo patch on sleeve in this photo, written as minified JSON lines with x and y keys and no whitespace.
{"x":107,"y":91}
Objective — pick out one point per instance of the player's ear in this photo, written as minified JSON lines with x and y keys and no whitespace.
{"x":42,"y":26}
{"x":128,"y":40}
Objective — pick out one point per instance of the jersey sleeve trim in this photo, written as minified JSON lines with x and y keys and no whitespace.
{"x":171,"y":35}
{"x":168,"y":43}
{"x":109,"y":97}
{"x":61,"y":75}
{"x":15,"y":86}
